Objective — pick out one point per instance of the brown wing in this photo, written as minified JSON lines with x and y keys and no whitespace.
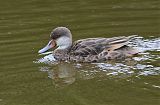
{"x":85,"y":47}
{"x":94,"y":46}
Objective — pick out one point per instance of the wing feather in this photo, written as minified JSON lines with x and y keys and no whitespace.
{"x":94,"y":46}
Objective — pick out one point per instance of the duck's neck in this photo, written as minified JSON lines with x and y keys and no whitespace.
{"x":61,"y":53}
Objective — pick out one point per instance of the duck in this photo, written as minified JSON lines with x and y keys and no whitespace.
{"x":98,"y":49}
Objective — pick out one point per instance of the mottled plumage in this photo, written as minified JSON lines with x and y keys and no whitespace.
{"x":90,"y":49}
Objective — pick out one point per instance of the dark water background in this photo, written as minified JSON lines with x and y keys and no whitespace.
{"x":25,"y":26}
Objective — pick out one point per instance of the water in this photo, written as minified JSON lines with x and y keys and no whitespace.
{"x":25,"y":28}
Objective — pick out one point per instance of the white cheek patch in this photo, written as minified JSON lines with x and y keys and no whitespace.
{"x":63,"y":42}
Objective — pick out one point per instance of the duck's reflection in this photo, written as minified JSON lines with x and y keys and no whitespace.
{"x":62,"y":74}
{"x":65,"y":73}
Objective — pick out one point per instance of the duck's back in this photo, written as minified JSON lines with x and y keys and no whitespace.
{"x":99,"y":49}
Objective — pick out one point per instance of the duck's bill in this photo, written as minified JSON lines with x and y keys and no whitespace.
{"x":50,"y":45}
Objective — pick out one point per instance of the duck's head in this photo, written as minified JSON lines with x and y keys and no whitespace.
{"x":61,"y":37}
